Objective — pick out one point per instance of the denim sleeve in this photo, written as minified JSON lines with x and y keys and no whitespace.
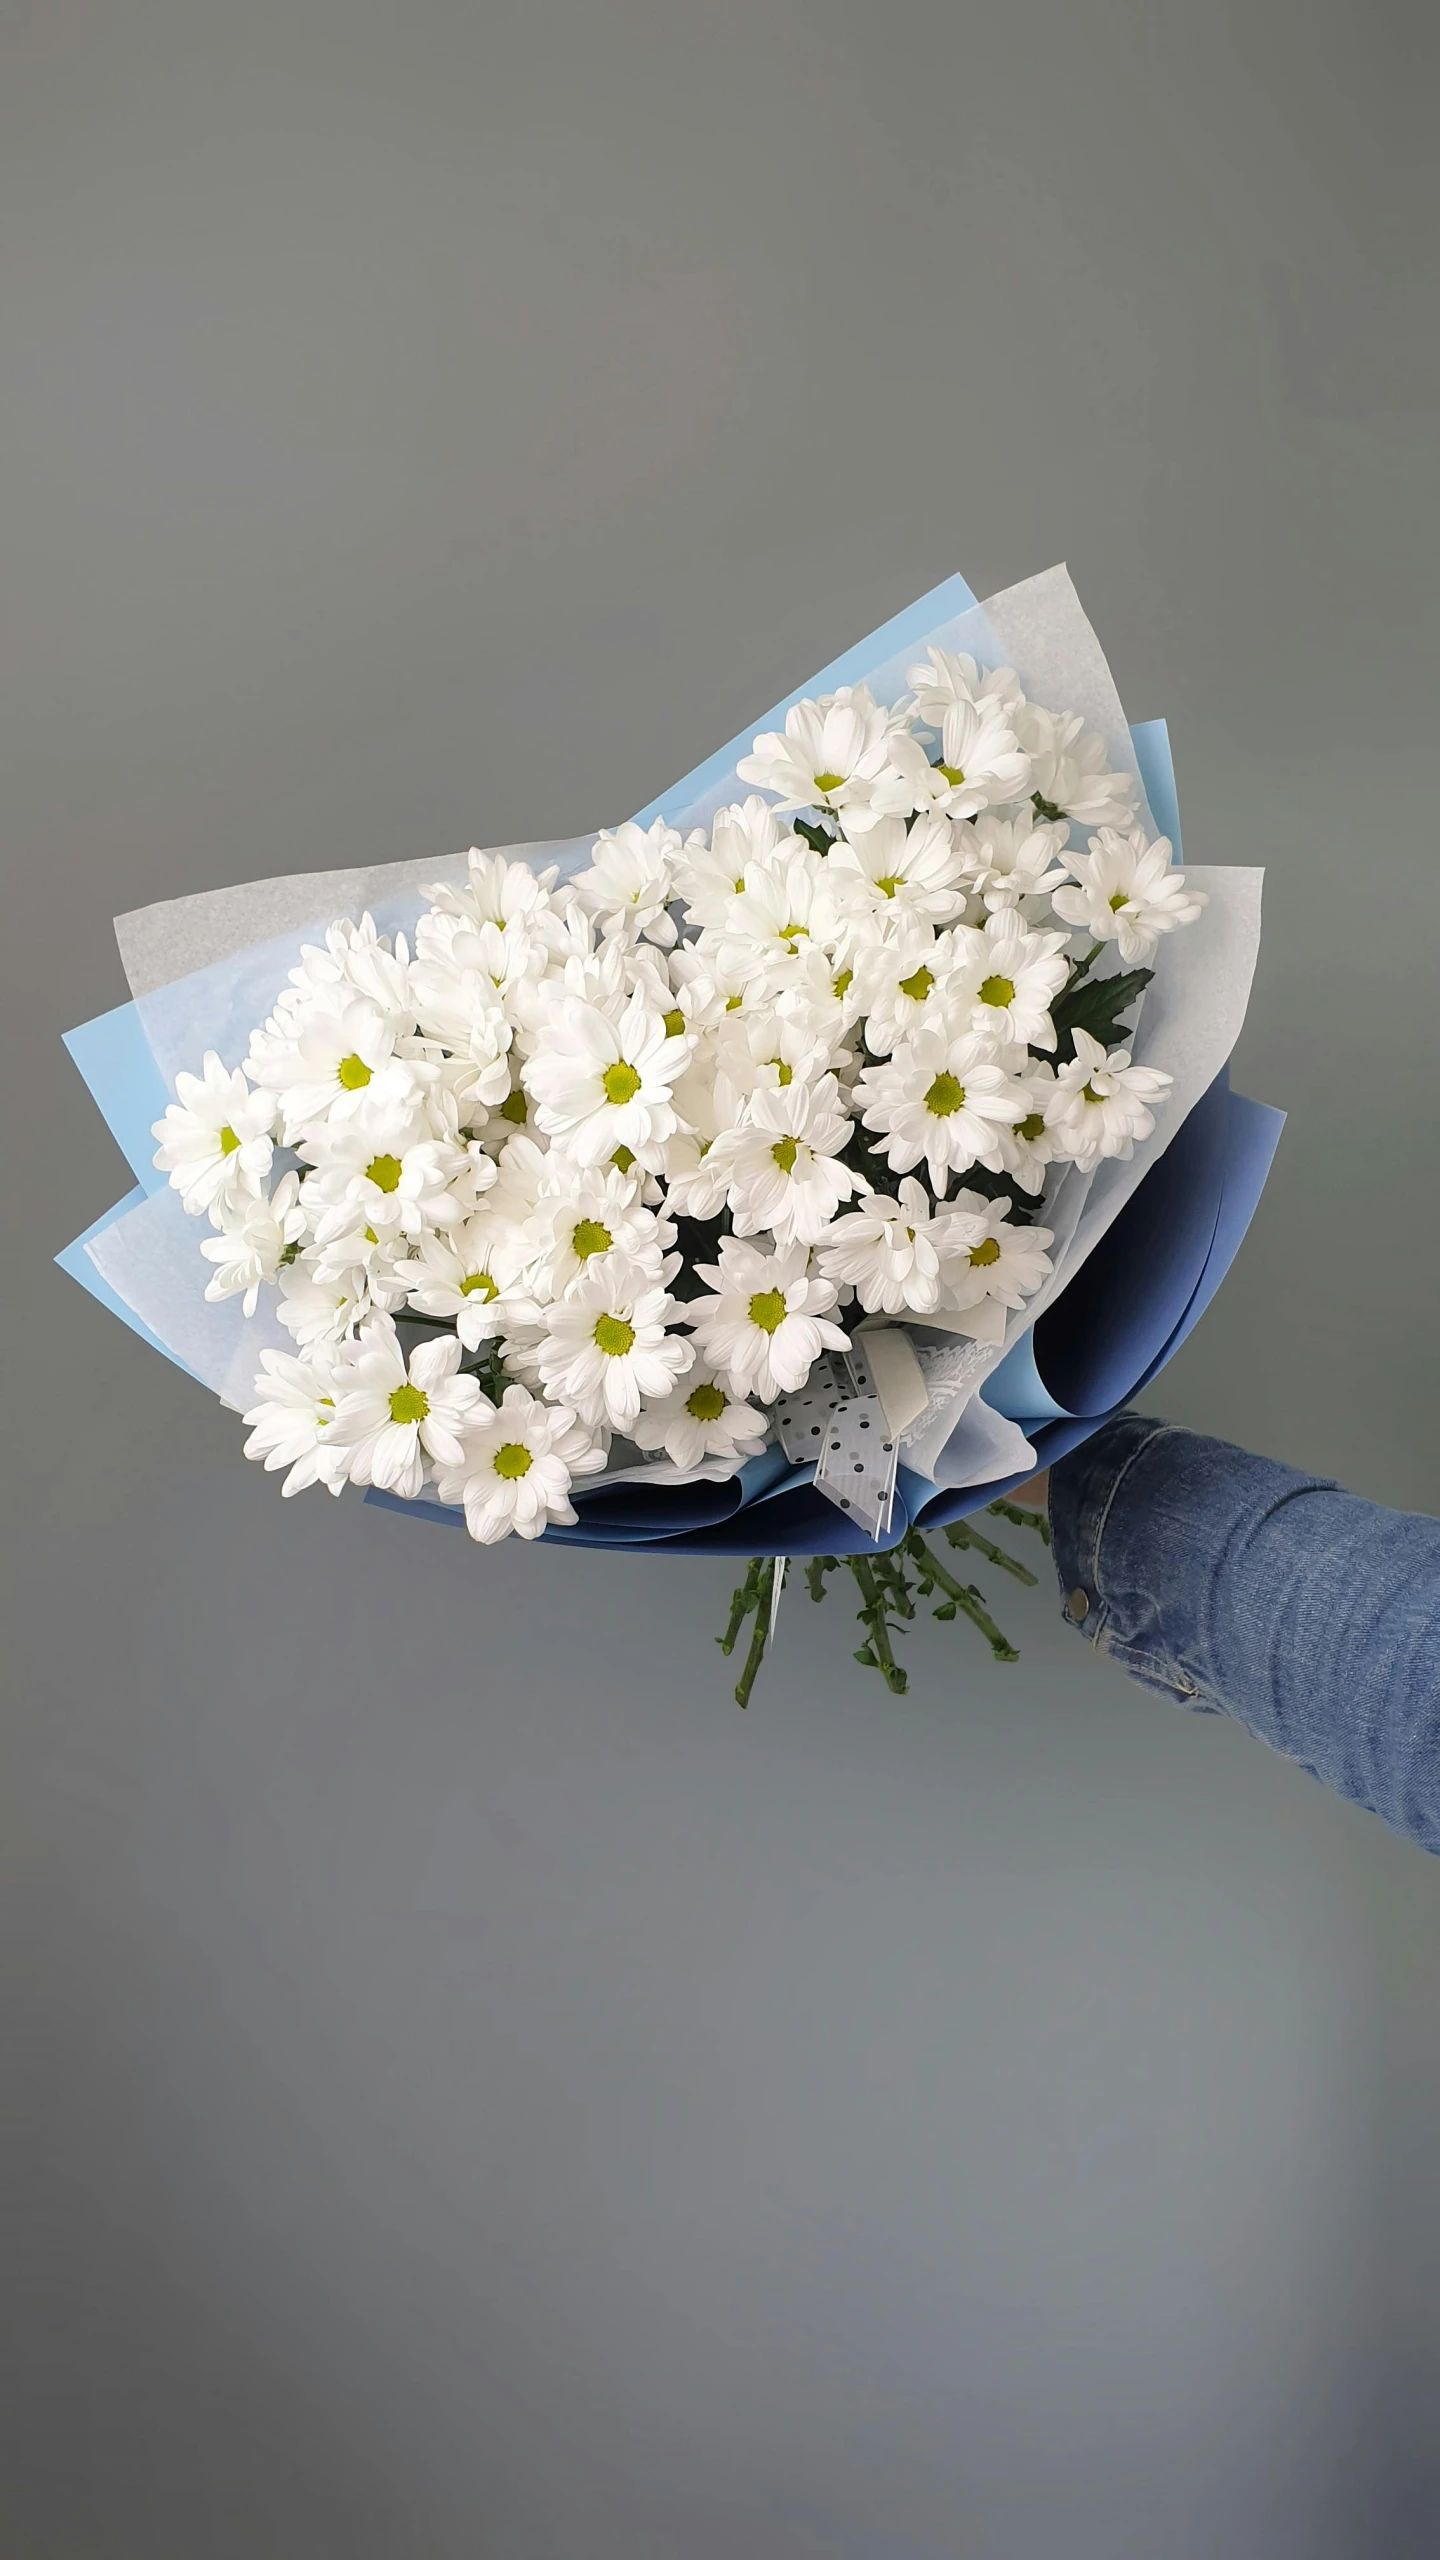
{"x":1235,"y":1584}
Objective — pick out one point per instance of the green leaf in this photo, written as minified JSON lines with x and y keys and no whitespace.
{"x":1095,"y":1005}
{"x":816,"y":837}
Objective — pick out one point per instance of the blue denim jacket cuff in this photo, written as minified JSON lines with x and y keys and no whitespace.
{"x":1084,"y":1490}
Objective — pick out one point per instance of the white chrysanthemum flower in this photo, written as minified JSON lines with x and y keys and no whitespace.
{"x":257,"y":1233}
{"x":829,"y":756}
{"x":330,"y":1066}
{"x":884,"y":1250}
{"x":708,"y":876}
{"x":290,"y":1423}
{"x":606,"y":1347}
{"x":766,"y":1321}
{"x":1011,"y":860}
{"x":1070,"y":773}
{"x":515,"y":1471}
{"x":390,"y":1415}
{"x":475,"y":1276}
{"x":631,"y":880}
{"x":579,"y":1219}
{"x":390,"y":1173}
{"x":979,"y":765}
{"x":819,"y":995}
{"x":700,"y":1424}
{"x":949,"y":677}
{"x":902,"y":981}
{"x":215,"y":1141}
{"x":521,"y":1172}
{"x":942,"y":1098}
{"x":315,"y":1309}
{"x":603,"y":1083}
{"x":494,"y":891}
{"x":1020,"y":975}
{"x":1101,"y":1103}
{"x":789,"y":901}
{"x":984,"y":1259}
{"x":1128,"y":891}
{"x":894,"y":870}
{"x":460,"y":965}
{"x":1029,"y":1146}
{"x":353,"y":960}
{"x":780,"y":1166}
{"x":761,"y":1052}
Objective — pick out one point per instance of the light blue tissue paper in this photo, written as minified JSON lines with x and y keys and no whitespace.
{"x":114,"y":1057}
{"x":77,"y":1262}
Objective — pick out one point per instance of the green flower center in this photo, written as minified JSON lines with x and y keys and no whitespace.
{"x":842,"y":983}
{"x":998,"y":991}
{"x":409,"y":1404}
{"x":953,"y":774}
{"x":370,"y":1236}
{"x":478,"y":1283}
{"x":828,"y":781}
{"x":784,"y":1073}
{"x":945,"y":1096}
{"x":918,"y":985}
{"x":784,"y":1152}
{"x":982,"y":1255}
{"x":621,"y":1082}
{"x":384,"y":1172}
{"x":790,"y":934}
{"x":889,"y":884}
{"x":1031,"y":1127}
{"x":614,"y":1336}
{"x":353,"y":1073}
{"x":675,"y":1023}
{"x":1089,"y":1094}
{"x":228,"y":1140}
{"x":623,"y":1158}
{"x":1118,"y":901}
{"x":767,"y":1309}
{"x":587,"y":1236}
{"x":733,"y":1003}
{"x":513,"y":1109}
{"x":706,"y":1403}
{"x":512,"y":1460}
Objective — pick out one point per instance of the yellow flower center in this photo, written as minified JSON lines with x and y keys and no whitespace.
{"x":353,"y":1073}
{"x":842,"y":983}
{"x":623,"y":1158}
{"x":790,"y":934}
{"x":953,"y":774}
{"x":889,"y":884}
{"x":1089,"y":1094}
{"x":409,"y":1404}
{"x":982,"y":1255}
{"x":675,"y":1023}
{"x":384,"y":1172}
{"x":706,"y":1403}
{"x":614,"y":1336}
{"x":478,"y":1284}
{"x":512,"y":1459}
{"x":784,"y":1152}
{"x":998,"y":991}
{"x":229,"y":1143}
{"x":1118,"y":901}
{"x":733,"y":1003}
{"x":918,"y":985}
{"x":784,"y":1073}
{"x":767,"y":1309}
{"x":825,"y":782}
{"x":1031,"y":1127}
{"x":946,"y":1095}
{"x":513,"y":1109}
{"x":588,"y":1236}
{"x":621,"y":1082}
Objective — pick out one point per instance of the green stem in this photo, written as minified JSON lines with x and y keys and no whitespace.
{"x":1021,"y":1519}
{"x":964,"y":1595}
{"x":816,"y":1568}
{"x":873,"y":1616}
{"x":760,"y":1635}
{"x":741,"y":1604}
{"x":960,"y":1534}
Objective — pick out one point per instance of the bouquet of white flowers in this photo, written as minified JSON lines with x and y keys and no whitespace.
{"x":709,"y":1173}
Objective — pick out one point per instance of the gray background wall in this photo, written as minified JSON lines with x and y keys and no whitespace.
{"x":477,"y":2092}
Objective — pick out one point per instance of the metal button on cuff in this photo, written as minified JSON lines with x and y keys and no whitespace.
{"x":1077,"y":1608}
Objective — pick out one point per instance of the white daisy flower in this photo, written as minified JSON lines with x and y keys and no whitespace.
{"x":780,"y":1166}
{"x":462,"y":970}
{"x":517,"y":1465}
{"x":700,"y":1423}
{"x":474,"y":1275}
{"x":984,"y":1258}
{"x":389,"y":1176}
{"x":603,"y":1083}
{"x":353,"y":960}
{"x":942,"y":1097}
{"x":256,"y":1234}
{"x":901,"y":981}
{"x":761,"y":1052}
{"x":1128,"y":891}
{"x":766,"y":1321}
{"x":1070,"y":775}
{"x":1030,"y":1146}
{"x":391,"y":1416}
{"x":819,"y":994}
{"x":708,"y":876}
{"x":1010,"y":860}
{"x":631,"y":879}
{"x":1021,"y":975}
{"x":290,"y":1423}
{"x":789,"y":901}
{"x":980,"y":763}
{"x":215,"y":1140}
{"x":894,"y":870}
{"x":830,"y":755}
{"x":495,"y":891}
{"x":582,"y":1218}
{"x":606,"y":1347}
{"x":1101,"y":1103}
{"x":338,"y":1060}
{"x":316,"y":1309}
{"x":884,"y":1250}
